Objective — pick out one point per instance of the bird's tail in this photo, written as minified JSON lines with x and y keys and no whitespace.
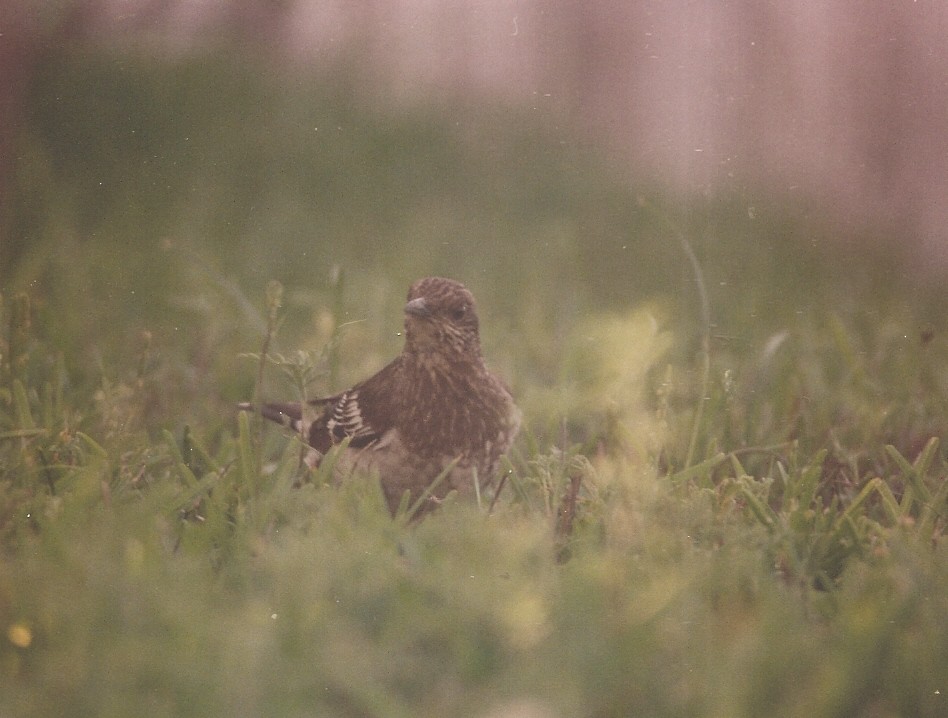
{"x":288,"y":414}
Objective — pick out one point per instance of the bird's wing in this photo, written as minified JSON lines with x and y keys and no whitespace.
{"x":344,"y":418}
{"x":363,"y":414}
{"x":331,"y":420}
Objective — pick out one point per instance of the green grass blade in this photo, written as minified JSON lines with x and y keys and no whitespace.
{"x":21,"y":406}
{"x":93,"y":446}
{"x":692,"y":472}
{"x":762,"y":512}
{"x":910,"y":474}
{"x":430,"y":489}
{"x":934,"y":510}
{"x":248,"y":465}
{"x":186,"y":473}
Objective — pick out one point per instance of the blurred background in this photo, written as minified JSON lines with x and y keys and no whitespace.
{"x":161,"y":160}
{"x":807,"y":101}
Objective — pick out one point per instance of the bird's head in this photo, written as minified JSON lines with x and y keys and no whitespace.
{"x":440,"y":317}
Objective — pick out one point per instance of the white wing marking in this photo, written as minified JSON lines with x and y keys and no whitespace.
{"x":345,"y":418}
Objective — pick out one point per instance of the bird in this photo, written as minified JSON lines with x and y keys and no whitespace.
{"x":434,"y":419}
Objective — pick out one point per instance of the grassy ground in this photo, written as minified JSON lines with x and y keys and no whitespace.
{"x":728,"y":500}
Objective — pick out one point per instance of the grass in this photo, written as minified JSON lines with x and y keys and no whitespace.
{"x":738,"y":515}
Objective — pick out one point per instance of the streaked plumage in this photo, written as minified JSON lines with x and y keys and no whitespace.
{"x":435,"y":403}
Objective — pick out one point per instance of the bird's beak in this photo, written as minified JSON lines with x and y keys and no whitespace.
{"x":418,"y":307}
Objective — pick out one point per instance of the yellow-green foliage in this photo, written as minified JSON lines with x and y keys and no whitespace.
{"x":602,"y":383}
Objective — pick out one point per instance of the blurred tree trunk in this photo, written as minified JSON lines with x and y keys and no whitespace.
{"x":32,"y":35}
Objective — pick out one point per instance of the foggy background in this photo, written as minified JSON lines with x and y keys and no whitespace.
{"x":835,"y":105}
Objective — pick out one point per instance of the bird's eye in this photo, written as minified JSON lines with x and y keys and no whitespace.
{"x":458,"y":313}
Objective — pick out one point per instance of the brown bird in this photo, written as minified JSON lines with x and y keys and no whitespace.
{"x":435,"y":406}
